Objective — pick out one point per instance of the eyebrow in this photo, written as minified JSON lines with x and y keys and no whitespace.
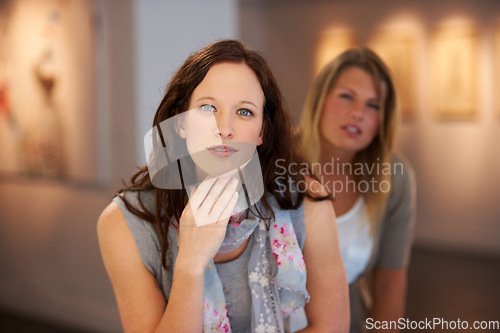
{"x":214,"y":99}
{"x":347,"y":88}
{"x":354,"y":92}
{"x":248,"y":102}
{"x":204,"y":97}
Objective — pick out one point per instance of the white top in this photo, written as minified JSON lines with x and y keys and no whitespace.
{"x":356,"y":243}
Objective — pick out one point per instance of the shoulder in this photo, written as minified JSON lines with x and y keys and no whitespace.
{"x":110,"y":219}
{"x":402,"y":173}
{"x":131,"y":228}
{"x":321,"y":227}
{"x":140,"y":200}
{"x":116,"y":242}
{"x":126,"y":246}
{"x":116,"y":219}
{"x":120,"y":229}
{"x":317,"y":212}
{"x":112,"y":229}
{"x":403,"y":184}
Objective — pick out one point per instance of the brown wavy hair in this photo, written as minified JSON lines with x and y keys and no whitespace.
{"x":276,"y":148}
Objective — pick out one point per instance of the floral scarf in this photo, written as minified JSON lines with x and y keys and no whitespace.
{"x":276,"y":271}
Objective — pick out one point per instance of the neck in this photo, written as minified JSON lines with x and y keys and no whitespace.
{"x":330,"y":153}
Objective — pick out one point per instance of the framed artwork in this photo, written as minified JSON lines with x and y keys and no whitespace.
{"x":47,"y":90}
{"x":454,"y":71}
{"x":330,"y":44}
{"x":398,"y":49}
{"x":496,"y":66}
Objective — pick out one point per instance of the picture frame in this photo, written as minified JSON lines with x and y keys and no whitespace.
{"x":398,"y":50}
{"x":330,"y":43}
{"x":454,"y":71}
{"x":48,"y":83}
{"x":496,"y":66}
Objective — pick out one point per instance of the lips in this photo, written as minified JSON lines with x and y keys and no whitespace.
{"x":222,"y":150}
{"x":352,"y":129}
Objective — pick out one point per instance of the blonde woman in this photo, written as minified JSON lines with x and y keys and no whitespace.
{"x":347,"y":132}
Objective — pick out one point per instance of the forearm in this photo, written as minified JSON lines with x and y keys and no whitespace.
{"x":184,"y":311}
{"x":389,"y":295}
{"x":338,"y":319}
{"x":387,"y":308}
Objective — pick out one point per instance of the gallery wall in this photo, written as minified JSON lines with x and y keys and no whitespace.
{"x":51,"y":265}
{"x":456,"y":160}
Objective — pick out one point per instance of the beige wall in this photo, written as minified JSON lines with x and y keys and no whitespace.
{"x":457,"y":163}
{"x":50,"y":262}
{"x":51,"y":265}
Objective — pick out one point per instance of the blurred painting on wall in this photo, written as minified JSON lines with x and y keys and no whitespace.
{"x":454,"y":70}
{"x":47,"y":94}
{"x":330,"y":44}
{"x":496,"y":65}
{"x":398,"y":49}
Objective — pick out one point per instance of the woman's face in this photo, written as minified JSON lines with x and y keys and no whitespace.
{"x":351,"y":113}
{"x":224,"y":123}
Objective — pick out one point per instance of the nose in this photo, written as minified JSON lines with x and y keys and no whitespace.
{"x":356,"y":111}
{"x":224,"y":129}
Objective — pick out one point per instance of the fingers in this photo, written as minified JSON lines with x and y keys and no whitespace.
{"x":199,"y":195}
{"x":214,"y":200}
{"x":226,"y":213}
{"x":224,"y":201}
{"x":221,"y":185}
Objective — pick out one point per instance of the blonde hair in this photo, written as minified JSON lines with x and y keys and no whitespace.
{"x":380,"y":150}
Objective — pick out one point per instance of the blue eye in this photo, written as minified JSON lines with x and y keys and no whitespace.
{"x":374,"y":106}
{"x":207,"y":107}
{"x":346,"y":96}
{"x":245,"y":112}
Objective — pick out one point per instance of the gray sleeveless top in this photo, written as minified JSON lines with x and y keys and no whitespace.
{"x":233,"y":274}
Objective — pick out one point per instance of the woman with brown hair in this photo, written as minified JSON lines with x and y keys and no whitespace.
{"x":347,"y":132}
{"x":220,"y":247}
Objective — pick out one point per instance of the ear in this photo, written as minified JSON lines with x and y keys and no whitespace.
{"x":180,"y":127}
{"x":260,"y":141}
{"x":261,"y":137}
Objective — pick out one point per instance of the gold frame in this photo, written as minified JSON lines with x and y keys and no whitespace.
{"x":454,"y":71}
{"x":398,"y":49}
{"x":496,"y":66}
{"x":330,"y":43}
